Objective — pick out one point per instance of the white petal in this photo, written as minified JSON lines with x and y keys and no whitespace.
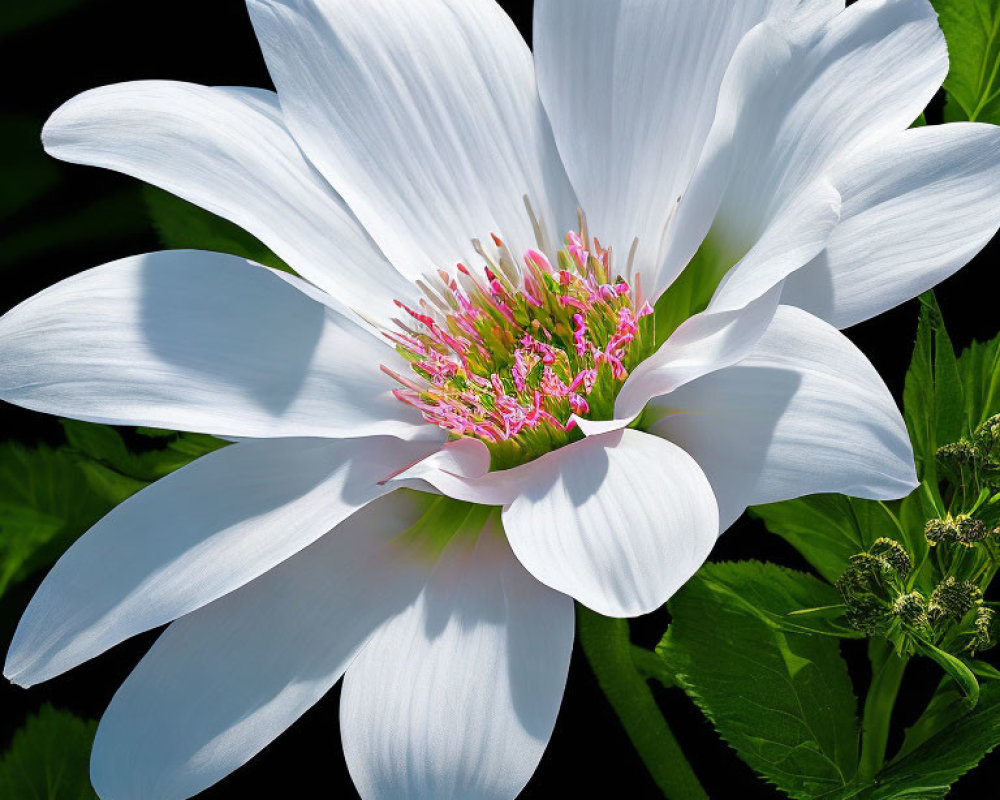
{"x":193,"y":537}
{"x":804,"y":413}
{"x":619,"y":521}
{"x":423,"y":115}
{"x":595,"y":427}
{"x":457,"y":696}
{"x":221,"y":683}
{"x":761,"y":53}
{"x":704,"y":343}
{"x":794,"y":236}
{"x":631,"y":89}
{"x":460,"y":469}
{"x":228,"y":151}
{"x":869,"y":74}
{"x":916,"y":209}
{"x":189,"y":340}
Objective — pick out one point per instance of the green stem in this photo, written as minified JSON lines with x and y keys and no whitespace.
{"x":607,"y":646}
{"x":887,"y":674}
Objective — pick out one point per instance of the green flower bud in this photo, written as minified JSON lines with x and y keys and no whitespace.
{"x":866,"y":613}
{"x":971,"y":530}
{"x":938,"y":531}
{"x":911,"y":608}
{"x":957,"y":455}
{"x":894,"y":553}
{"x":871,"y":585}
{"x":986,"y":439}
{"x":985,"y":627}
{"x":865,"y":574}
{"x":962,"y":529}
{"x":953,"y":599}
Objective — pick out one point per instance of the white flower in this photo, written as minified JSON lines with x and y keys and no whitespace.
{"x":763,"y":144}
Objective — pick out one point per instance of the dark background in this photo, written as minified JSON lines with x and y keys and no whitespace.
{"x":89,"y":216}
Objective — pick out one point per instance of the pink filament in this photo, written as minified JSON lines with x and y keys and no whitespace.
{"x":492,"y":367}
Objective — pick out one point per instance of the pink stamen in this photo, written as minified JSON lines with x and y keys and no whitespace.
{"x":497,"y":361}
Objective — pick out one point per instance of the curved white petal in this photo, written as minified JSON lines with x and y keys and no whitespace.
{"x":704,"y":343}
{"x":424,"y":116}
{"x":221,"y":683}
{"x":804,"y":413}
{"x":460,"y":469}
{"x":631,"y":89}
{"x":618,"y":521}
{"x":868,"y":74}
{"x":457,"y":696}
{"x":228,"y":151}
{"x":795,"y":236}
{"x":761,"y":54}
{"x":915,"y":210}
{"x":193,"y":537}
{"x":190,"y":340}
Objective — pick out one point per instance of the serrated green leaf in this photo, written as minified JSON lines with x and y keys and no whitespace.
{"x":827,"y":529}
{"x":933,"y":397}
{"x":182,"y":225}
{"x":803,"y":605}
{"x":972,"y":30}
{"x":783,"y":700}
{"x":48,"y":498}
{"x":979,"y":368}
{"x":959,"y":742}
{"x":49,"y":759}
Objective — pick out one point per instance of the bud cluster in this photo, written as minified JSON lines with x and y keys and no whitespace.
{"x":873,"y":583}
{"x":974,"y":461}
{"x":961,"y":529}
{"x":879,"y":602}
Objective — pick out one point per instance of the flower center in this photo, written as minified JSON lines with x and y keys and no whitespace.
{"x":510,"y":357}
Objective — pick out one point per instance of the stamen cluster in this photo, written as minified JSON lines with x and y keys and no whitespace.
{"x":509,"y":357}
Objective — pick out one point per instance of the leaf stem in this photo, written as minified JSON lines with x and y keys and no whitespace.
{"x":608,"y":648}
{"x":887,"y":674}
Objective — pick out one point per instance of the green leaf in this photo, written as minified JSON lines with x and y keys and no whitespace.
{"x":956,"y":668}
{"x":827,"y":529}
{"x":783,"y":700}
{"x":933,"y":398}
{"x":47,"y":499}
{"x":928,"y":769}
{"x":979,"y":367}
{"x":826,"y":620}
{"x":49,"y":759}
{"x":182,"y":225}
{"x":983,"y":669}
{"x":651,"y":667}
{"x":104,"y":444}
{"x":972,"y":30}
{"x":111,"y":217}
{"x":948,"y":704}
{"x":804,"y":605}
